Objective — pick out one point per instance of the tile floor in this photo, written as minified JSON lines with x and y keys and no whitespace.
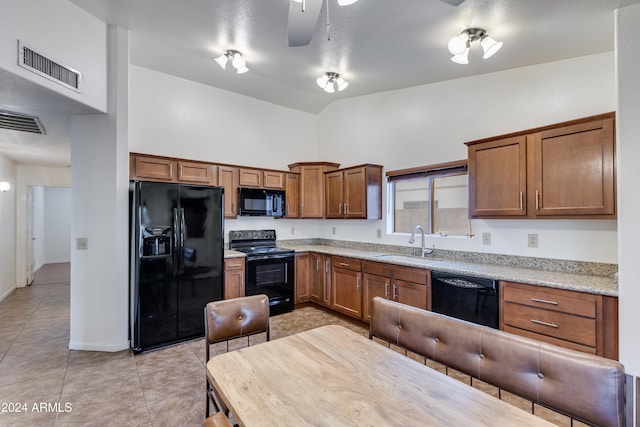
{"x":42,"y":383}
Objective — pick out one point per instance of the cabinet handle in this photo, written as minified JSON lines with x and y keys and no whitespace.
{"x":346,"y":209}
{"x":340,"y":208}
{"x":326,"y":266}
{"x":344,"y":264}
{"x":540,"y":322}
{"x":386,"y":289}
{"x":235,"y":265}
{"x":395,"y":292}
{"x":544,"y":301}
{"x":521,"y":201}
{"x":317,"y":264}
{"x":357,"y":282}
{"x":537,"y":200}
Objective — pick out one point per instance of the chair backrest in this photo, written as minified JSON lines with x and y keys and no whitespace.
{"x":235,"y":318}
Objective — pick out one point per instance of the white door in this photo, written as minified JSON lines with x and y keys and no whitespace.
{"x":30,"y":243}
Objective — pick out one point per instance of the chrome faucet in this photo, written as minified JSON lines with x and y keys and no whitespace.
{"x":424,"y":250}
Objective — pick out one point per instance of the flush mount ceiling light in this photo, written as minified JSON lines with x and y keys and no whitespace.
{"x":459,"y":45}
{"x":236,"y":58}
{"x":4,"y":187}
{"x":330,"y":80}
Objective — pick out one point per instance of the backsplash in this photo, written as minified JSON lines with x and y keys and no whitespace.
{"x":548,"y":264}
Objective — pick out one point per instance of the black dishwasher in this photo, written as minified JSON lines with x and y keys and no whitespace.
{"x":473,"y":299}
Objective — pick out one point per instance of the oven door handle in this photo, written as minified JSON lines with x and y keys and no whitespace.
{"x":263,"y":257}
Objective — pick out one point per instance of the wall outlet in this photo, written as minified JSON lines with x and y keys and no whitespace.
{"x":293,"y":230}
{"x":379,"y":233}
{"x":333,"y":230}
{"x":486,"y":238}
{"x":532,"y":240}
{"x":82,"y":243}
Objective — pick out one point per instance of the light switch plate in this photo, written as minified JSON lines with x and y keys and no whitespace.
{"x":532,"y":240}
{"x":486,"y":238}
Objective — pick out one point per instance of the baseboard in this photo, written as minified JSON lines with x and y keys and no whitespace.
{"x":98,"y":347}
{"x":61,"y":261}
{"x":6,"y":294}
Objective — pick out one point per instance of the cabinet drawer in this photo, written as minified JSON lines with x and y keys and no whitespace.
{"x":233,"y":264}
{"x":551,"y":340}
{"x":347,"y":263}
{"x":408,"y":274}
{"x":377,"y":268}
{"x":551,"y":299}
{"x":564,"y":326}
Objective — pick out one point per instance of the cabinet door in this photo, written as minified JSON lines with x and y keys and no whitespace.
{"x":233,"y":278}
{"x":320,"y":266}
{"x":250,"y":177}
{"x":347,"y":295}
{"x":228,"y":178}
{"x":292,"y":195}
{"x":414,"y":294}
{"x":355,"y":193}
{"x":334,"y":197}
{"x":197,"y":173}
{"x":271,"y":179}
{"x":573,"y":170}
{"x":303,"y":276}
{"x":312,"y":192}
{"x":373,"y":286}
{"x":498,"y":178}
{"x":153,"y":169}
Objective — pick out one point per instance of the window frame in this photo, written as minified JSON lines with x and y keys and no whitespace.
{"x":440,"y":170}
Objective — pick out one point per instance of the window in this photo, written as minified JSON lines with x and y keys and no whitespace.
{"x":435,"y":197}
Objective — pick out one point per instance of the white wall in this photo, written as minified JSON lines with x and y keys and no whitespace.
{"x":7,"y":228}
{"x":99,"y":275}
{"x":57,"y":224}
{"x":175,"y":117}
{"x":628,"y":145}
{"x":63,"y":32}
{"x":429,"y":124}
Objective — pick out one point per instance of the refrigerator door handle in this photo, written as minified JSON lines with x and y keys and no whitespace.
{"x":183,"y":231}
{"x":176,"y":240}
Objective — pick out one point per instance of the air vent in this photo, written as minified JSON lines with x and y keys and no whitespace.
{"x":52,"y":70}
{"x":21,"y":122}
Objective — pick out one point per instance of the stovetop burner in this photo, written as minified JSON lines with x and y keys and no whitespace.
{"x":256,"y":242}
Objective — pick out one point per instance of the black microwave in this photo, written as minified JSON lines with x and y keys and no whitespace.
{"x":260,"y":202}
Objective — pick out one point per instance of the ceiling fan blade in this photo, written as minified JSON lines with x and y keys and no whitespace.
{"x":303,"y":24}
{"x":453,"y":2}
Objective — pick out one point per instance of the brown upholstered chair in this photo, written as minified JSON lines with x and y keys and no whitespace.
{"x":230,"y":319}
{"x":217,"y":420}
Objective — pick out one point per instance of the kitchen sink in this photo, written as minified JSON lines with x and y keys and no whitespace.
{"x":406,"y":258}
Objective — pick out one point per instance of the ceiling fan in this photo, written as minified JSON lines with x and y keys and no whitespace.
{"x":304,"y":14}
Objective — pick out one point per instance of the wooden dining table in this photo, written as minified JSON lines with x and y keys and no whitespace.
{"x":331,"y":376}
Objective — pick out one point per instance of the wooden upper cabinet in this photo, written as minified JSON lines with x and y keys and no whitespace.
{"x":292,"y":195}
{"x":250,"y":177}
{"x":561,"y":171}
{"x":573,"y":169}
{"x":312,"y":187}
{"x":228,"y":177}
{"x":149,"y":168}
{"x":498,"y":177}
{"x":354,"y":192}
{"x":273,"y":179}
{"x":197,"y":173}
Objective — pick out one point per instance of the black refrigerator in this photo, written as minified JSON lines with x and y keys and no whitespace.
{"x":177,"y":260}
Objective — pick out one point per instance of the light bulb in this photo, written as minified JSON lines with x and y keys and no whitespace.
{"x":238,"y":61}
{"x":458,"y":44}
{"x":4,"y":186}
{"x":242,"y":70}
{"x":462,"y":58}
{"x":490,"y":47}
{"x":342,"y":83}
{"x":322,"y":81}
{"x":329,"y":87}
{"x":222,"y":60}
{"x":346,"y":2}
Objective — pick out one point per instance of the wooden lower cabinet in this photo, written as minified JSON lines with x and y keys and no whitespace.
{"x":576,"y":320}
{"x":233,"y":278}
{"x":303,"y":278}
{"x":320,"y":271}
{"x":346,"y":285}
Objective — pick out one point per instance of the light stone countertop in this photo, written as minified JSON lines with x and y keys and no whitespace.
{"x":576,"y":282}
{"x":228,"y":253}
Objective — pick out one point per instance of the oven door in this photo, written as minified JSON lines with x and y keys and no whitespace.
{"x":272,"y":275}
